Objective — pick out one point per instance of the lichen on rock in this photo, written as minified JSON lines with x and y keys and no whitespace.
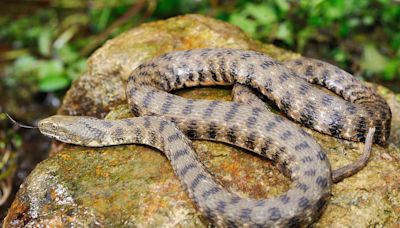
{"x":135,"y":186}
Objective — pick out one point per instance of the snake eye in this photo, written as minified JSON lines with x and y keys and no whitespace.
{"x":53,"y":127}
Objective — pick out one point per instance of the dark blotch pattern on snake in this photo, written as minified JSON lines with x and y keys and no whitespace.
{"x":249,"y":125}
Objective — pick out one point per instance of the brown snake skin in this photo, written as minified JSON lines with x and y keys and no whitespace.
{"x":244,"y":125}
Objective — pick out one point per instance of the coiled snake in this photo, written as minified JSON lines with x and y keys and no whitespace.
{"x":248,"y":125}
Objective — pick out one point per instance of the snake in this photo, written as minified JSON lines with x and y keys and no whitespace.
{"x":166,"y":121}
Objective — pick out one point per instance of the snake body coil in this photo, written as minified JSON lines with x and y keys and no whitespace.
{"x":245,"y":126}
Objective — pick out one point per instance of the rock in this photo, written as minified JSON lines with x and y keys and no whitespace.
{"x":135,"y":186}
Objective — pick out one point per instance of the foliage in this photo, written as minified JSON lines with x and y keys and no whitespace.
{"x":48,"y":58}
{"x":50,"y":42}
{"x":50,"y":45}
{"x":343,"y":26}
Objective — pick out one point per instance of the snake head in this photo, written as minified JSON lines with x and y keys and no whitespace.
{"x":70,"y":129}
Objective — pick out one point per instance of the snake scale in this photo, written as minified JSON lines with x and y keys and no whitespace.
{"x":170,"y":118}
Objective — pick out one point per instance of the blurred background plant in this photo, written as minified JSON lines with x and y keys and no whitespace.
{"x":44,"y":46}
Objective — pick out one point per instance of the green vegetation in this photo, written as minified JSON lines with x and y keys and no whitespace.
{"x":346,"y":31}
{"x":50,"y":45}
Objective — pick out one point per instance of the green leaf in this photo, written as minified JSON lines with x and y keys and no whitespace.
{"x":395,"y":43}
{"x":17,"y":140}
{"x":53,"y":83}
{"x":316,"y":21}
{"x":391,"y":69}
{"x":344,"y":29}
{"x":335,"y":9}
{"x":310,"y":4}
{"x":103,"y":19}
{"x":68,"y":54}
{"x":249,"y":26}
{"x":368,"y":20}
{"x":65,"y":37}
{"x":263,"y":14}
{"x":25,"y":64}
{"x":50,"y":68}
{"x":372,"y":60}
{"x":339,"y":55}
{"x":353,"y":22}
{"x":283,"y":5}
{"x":44,"y":42}
{"x":285,"y":33}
